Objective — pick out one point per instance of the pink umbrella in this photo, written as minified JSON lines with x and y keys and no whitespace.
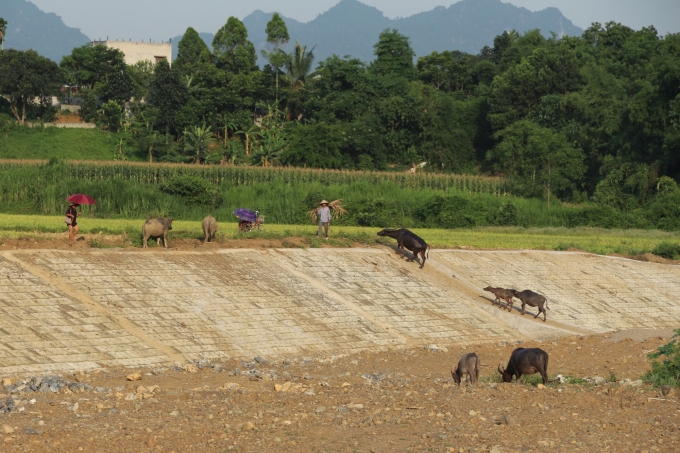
{"x":81,"y":198}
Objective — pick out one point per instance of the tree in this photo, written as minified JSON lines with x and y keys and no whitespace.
{"x":197,"y":140}
{"x":27,"y":79}
{"x":394,"y":56}
{"x":537,"y":157}
{"x":168,"y":94}
{"x":192,"y":53}
{"x":3,"y":30}
{"x":298,"y":71}
{"x":92,"y":66}
{"x":248,"y":135}
{"x":299,"y":67}
{"x":277,"y":36}
{"x":232,"y":50}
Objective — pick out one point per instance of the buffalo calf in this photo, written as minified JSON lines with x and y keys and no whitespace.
{"x":467,"y":365}
{"x":502,"y":293}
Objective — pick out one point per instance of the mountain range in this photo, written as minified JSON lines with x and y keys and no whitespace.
{"x":28,"y":27}
{"x":348,"y":28}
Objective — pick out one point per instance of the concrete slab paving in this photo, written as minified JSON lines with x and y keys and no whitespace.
{"x":583,"y":290}
{"x":63,"y":310}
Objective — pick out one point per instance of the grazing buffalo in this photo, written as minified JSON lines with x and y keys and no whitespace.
{"x":406,"y":239}
{"x":526,"y":361}
{"x":532,"y":299}
{"x":468,"y":364}
{"x":209,"y":225}
{"x":502,"y":293}
{"x":157,"y":228}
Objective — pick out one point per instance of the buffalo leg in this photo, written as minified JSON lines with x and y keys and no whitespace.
{"x":422,"y":257}
{"x":509,"y":306}
{"x":524,"y":307}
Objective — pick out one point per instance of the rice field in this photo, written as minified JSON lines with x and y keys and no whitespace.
{"x":595,"y":240}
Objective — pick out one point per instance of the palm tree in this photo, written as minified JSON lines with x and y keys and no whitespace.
{"x":298,"y":67}
{"x":198,"y":141}
{"x":298,"y":72}
{"x":227,"y":124}
{"x":249,"y":134}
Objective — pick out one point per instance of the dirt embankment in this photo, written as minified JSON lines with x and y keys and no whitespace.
{"x":401,"y":400}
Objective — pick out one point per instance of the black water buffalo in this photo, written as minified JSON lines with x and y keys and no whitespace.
{"x":502,"y":293}
{"x":408,"y":240}
{"x":468,"y":364}
{"x":532,"y":299}
{"x":526,"y":361}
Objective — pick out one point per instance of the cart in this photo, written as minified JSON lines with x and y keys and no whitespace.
{"x":249,"y":220}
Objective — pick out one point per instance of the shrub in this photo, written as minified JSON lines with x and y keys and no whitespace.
{"x":507,"y":214}
{"x":88,"y":111}
{"x":378,"y":213}
{"x":668,"y":250}
{"x":596,"y":216}
{"x":452,"y":212}
{"x":667,"y":371}
{"x":194,"y":188}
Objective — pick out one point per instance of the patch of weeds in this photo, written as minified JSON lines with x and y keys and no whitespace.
{"x":666,"y":371}
{"x":97,"y":243}
{"x":612,"y":377}
{"x":668,"y":250}
{"x":533,"y":379}
{"x":562,"y":246}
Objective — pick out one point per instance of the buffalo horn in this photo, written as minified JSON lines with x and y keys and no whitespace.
{"x":501,"y":370}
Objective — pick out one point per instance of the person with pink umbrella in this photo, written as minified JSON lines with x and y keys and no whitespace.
{"x":72,"y":213}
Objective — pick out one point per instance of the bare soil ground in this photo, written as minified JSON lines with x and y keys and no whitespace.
{"x":399,"y":400}
{"x":86,"y":241}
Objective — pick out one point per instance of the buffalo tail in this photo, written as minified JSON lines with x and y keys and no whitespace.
{"x":546,"y":304}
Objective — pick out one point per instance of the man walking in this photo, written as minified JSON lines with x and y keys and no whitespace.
{"x":324,"y":213}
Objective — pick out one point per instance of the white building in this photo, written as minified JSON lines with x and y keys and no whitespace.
{"x":140,"y":51}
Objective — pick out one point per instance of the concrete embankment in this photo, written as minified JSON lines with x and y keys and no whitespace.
{"x":62,"y":310}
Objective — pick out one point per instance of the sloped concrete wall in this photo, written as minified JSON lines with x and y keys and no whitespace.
{"x":64,"y":310}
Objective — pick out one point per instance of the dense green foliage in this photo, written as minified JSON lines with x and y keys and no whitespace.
{"x":591,"y":120}
{"x":284,"y":195}
{"x":666,"y":371}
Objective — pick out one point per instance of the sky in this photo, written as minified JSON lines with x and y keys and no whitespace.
{"x":160,"y":20}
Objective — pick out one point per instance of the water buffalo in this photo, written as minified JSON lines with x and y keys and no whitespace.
{"x":209,"y":225}
{"x":157,"y":228}
{"x":502,"y":293}
{"x":532,"y":299}
{"x":526,"y":361}
{"x":468,"y":364}
{"x":406,"y":239}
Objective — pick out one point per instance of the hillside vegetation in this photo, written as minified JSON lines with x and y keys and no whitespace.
{"x":582,"y":130}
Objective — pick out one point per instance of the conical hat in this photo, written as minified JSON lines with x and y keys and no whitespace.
{"x":324,"y":202}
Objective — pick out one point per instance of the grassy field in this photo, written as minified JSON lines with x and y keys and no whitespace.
{"x":595,"y":240}
{"x":53,"y":142}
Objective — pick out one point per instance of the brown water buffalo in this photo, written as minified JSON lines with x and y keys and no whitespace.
{"x":209,"y":225}
{"x":502,"y":293}
{"x":406,"y":239}
{"x":157,"y":228}
{"x":468,"y":364}
{"x":526,"y":361}
{"x":532,"y":299}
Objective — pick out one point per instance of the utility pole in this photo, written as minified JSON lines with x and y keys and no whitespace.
{"x":3,"y":27}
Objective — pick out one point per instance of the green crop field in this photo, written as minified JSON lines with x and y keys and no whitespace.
{"x":595,"y":240}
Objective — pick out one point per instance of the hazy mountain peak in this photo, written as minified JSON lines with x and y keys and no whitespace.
{"x":30,"y":28}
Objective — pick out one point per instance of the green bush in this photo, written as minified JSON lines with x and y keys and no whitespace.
{"x":88,"y":111}
{"x":193,"y":188}
{"x":668,"y":250}
{"x":666,"y":371}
